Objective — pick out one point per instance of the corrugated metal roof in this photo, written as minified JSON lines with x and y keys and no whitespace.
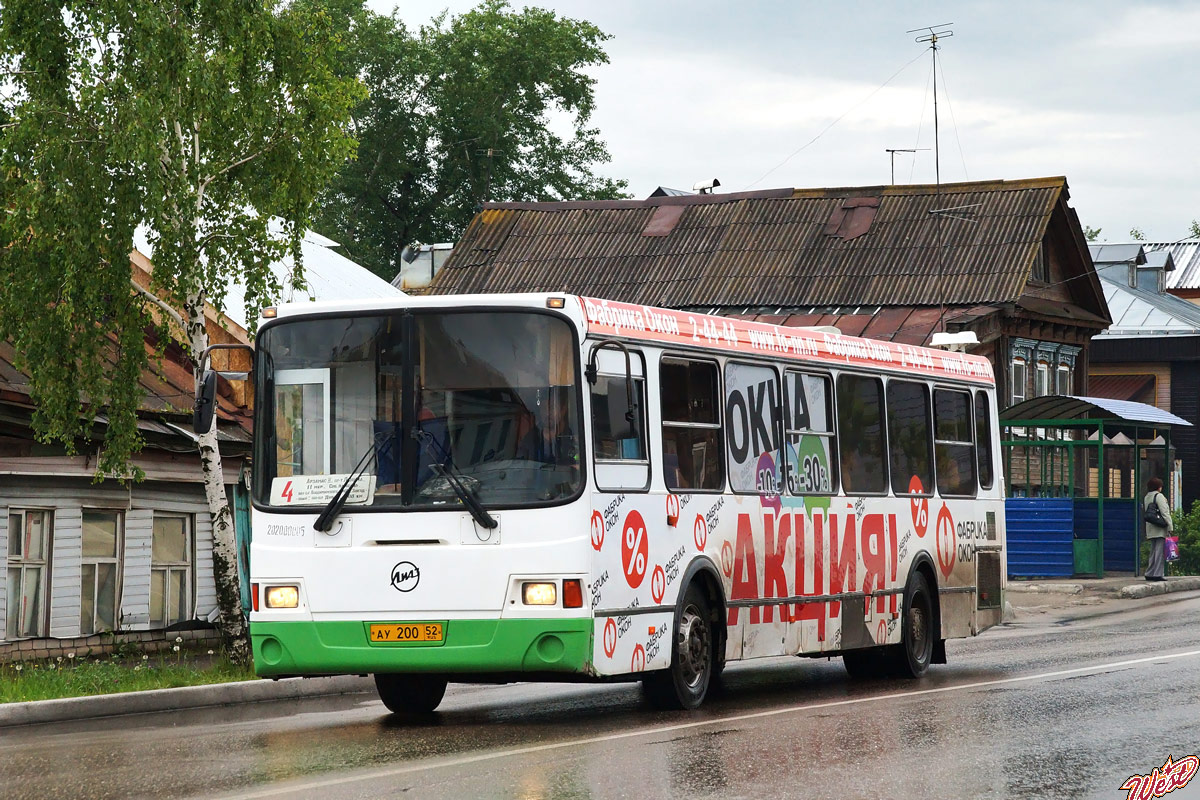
{"x":1121,"y":253}
{"x":771,"y":247}
{"x":1186,"y":254}
{"x":1066,"y":407}
{"x":1136,"y":312}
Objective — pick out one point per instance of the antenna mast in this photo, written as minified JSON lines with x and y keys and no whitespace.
{"x":931,"y":34}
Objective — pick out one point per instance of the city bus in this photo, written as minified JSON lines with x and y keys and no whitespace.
{"x":528,"y":487}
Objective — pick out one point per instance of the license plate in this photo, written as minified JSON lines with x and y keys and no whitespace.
{"x":407,"y":632}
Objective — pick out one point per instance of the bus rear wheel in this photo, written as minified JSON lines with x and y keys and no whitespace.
{"x":693,"y":658}
{"x":410,"y":694}
{"x":912,"y":656}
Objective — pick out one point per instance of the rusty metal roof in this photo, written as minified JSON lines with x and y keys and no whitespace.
{"x":857,"y":246}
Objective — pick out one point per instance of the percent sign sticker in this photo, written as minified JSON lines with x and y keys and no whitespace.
{"x":920,"y":506}
{"x":700,"y":532}
{"x":658,"y":584}
{"x":610,"y":637}
{"x":638,"y":662}
{"x":597,"y":531}
{"x":635,"y":550}
{"x":947,"y":544}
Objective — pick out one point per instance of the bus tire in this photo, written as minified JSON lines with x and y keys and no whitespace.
{"x":914,"y":653}
{"x":410,"y":694}
{"x":693,"y":657}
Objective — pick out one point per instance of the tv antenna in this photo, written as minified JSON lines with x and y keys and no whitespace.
{"x":893,"y":150}
{"x":932,"y":34}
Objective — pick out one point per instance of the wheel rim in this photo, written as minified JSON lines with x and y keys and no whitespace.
{"x":693,"y":647}
{"x":918,"y":629}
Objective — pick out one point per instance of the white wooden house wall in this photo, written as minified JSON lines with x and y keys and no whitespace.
{"x":138,"y":504}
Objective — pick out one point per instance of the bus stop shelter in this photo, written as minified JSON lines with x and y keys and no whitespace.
{"x":1076,"y":469}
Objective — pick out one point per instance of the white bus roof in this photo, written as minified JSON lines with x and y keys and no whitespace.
{"x":669,"y":327}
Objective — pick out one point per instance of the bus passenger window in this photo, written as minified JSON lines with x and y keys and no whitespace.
{"x":616,"y":437}
{"x":693,"y":457}
{"x":953,"y":442}
{"x":909,"y":439}
{"x":860,"y":434}
{"x":983,"y":439}
{"x":809,"y":454}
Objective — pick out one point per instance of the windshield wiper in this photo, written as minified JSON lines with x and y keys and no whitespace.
{"x":450,"y":473}
{"x":334,"y":506}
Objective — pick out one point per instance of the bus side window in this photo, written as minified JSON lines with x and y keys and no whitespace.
{"x":620,"y":454}
{"x":860,"y":434}
{"x":983,"y":439}
{"x":809,"y":454}
{"x":693,"y":453}
{"x":953,"y":443}
{"x":909,"y":438}
{"x":752,"y":406}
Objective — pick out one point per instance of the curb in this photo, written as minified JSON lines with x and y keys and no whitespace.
{"x":217,"y":694}
{"x":1046,"y":588}
{"x":1139,"y":590}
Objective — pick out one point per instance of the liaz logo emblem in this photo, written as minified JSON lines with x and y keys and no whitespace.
{"x":405,"y":576}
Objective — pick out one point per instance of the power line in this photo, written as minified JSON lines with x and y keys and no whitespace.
{"x":825,"y":130}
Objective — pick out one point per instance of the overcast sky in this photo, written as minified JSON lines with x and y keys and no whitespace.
{"x":1106,"y":93}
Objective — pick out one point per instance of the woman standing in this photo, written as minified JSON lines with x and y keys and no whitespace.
{"x":1156,"y":534}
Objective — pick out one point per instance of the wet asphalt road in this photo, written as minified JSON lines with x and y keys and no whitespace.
{"x":1057,"y":705}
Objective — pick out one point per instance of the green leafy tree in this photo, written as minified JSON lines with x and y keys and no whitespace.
{"x":462,"y":111}
{"x":199,"y":121}
{"x":1137,"y":234}
{"x":1090,"y":233}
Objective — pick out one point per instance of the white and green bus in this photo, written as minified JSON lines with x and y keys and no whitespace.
{"x":545,"y":487}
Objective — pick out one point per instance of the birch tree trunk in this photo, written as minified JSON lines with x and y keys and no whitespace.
{"x":225,"y":561}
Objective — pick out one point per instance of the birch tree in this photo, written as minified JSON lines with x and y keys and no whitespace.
{"x":209,"y":124}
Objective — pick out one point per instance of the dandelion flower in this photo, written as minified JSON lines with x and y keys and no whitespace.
{"x":210,"y":652}
{"x":59,"y":659}
{"x":18,"y":667}
{"x":175,"y":648}
{"x":70,"y":655}
{"x":145,"y":658}
{"x":178,"y":640}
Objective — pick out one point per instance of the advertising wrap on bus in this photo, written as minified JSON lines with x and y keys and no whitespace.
{"x":518,"y":487}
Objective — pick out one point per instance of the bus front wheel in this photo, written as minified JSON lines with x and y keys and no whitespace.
{"x":410,"y":694}
{"x":693,"y":658}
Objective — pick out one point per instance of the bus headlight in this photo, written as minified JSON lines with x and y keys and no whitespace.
{"x":283,"y":596}
{"x":539,"y":594}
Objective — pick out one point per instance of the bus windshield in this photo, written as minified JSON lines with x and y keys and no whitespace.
{"x":491,"y":398}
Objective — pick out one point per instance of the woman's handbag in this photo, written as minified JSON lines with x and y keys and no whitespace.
{"x":1153,"y":514}
{"x":1171,"y":548}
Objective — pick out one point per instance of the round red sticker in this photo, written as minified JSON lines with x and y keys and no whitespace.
{"x":947,"y":544}
{"x":597,"y":530}
{"x":658,"y":584}
{"x":727,"y":559}
{"x":635,"y":549}
{"x":638,"y":662}
{"x":672,"y":509}
{"x":881,"y":637}
{"x":700,"y":532}
{"x":610,"y":637}
{"x":920,"y":506}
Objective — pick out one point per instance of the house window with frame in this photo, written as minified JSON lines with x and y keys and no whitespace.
{"x":171,"y":570}
{"x":28,"y":572}
{"x":1041,"y":383}
{"x":1063,"y":379}
{"x":1018,"y":380}
{"x":100,"y":573}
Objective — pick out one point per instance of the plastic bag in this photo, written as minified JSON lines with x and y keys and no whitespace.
{"x":1171,"y":548}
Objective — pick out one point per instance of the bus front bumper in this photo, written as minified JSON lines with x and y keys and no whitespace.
{"x":469,"y":647}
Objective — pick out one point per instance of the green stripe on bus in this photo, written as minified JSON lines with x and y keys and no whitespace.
{"x":470,"y":646}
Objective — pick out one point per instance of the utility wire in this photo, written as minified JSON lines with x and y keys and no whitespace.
{"x":825,"y":130}
{"x":912,"y":168}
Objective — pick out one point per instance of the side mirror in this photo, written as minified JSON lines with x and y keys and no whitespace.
{"x":206,"y":399}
